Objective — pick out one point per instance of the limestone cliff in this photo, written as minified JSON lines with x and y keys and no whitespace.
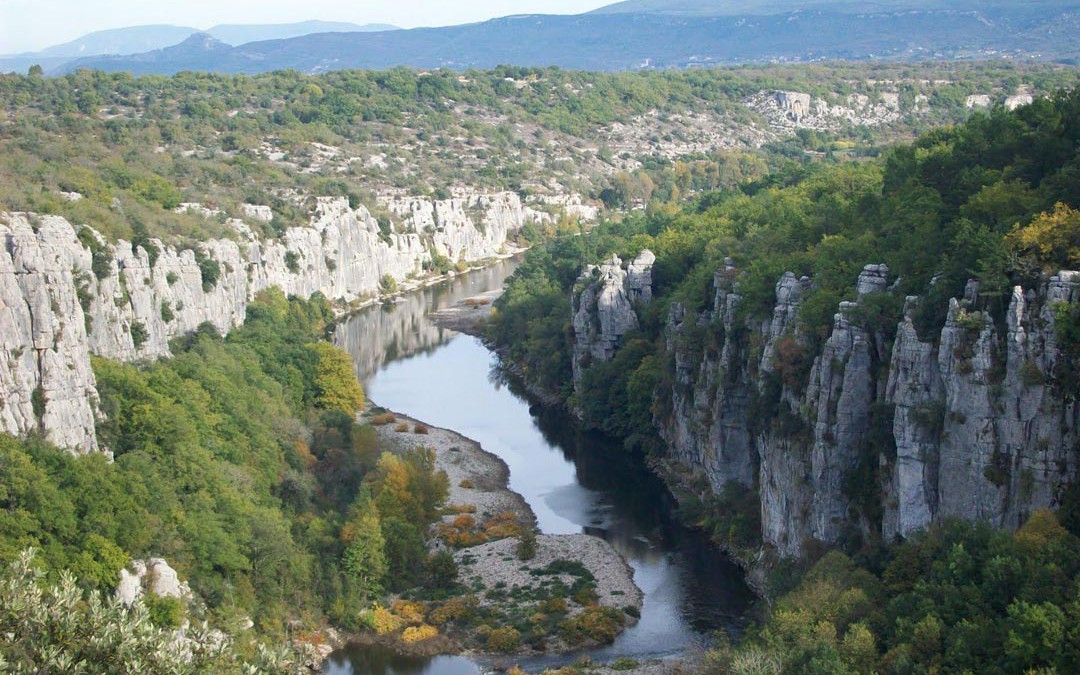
{"x":65,"y":293}
{"x":604,"y":307}
{"x":870,"y":431}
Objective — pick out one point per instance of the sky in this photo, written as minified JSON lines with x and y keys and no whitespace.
{"x":30,"y":25}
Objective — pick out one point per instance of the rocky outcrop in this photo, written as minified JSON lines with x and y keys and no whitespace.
{"x":872,"y":434}
{"x":152,"y":576}
{"x":788,"y":111}
{"x":603,"y":307}
{"x":60,"y":301}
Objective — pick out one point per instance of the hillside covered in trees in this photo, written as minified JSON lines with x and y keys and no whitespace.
{"x":123,"y":154}
{"x":994,"y":200}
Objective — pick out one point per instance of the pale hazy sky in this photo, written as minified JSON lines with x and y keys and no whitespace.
{"x":29,"y":25}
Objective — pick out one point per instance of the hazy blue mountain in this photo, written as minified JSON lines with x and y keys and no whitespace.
{"x":131,"y":40}
{"x":619,"y":41}
{"x":769,"y":7}
{"x":238,"y":34}
{"x":141,"y":39}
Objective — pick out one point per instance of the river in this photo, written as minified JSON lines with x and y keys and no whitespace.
{"x":574,"y":481}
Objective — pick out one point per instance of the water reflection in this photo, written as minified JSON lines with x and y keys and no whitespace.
{"x":376,"y":660}
{"x":574,"y":481}
{"x":384,"y":333}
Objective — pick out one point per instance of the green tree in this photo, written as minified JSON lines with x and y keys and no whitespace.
{"x":365,"y":549}
{"x":335,"y":381}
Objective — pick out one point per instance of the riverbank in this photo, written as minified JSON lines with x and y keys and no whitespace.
{"x":572,"y":591}
{"x":470,"y":315}
{"x":412,"y":285}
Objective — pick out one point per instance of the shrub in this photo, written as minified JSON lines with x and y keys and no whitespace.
{"x":139,"y":334}
{"x":502,"y":525}
{"x":383,"y":418}
{"x":554,"y":606}
{"x":57,"y":628}
{"x":464,"y":522}
{"x":419,"y":428}
{"x":382,"y":620}
{"x":401,"y":427}
{"x":600,"y":624}
{"x":586,"y":595}
{"x":165,"y":611}
{"x":504,"y":640}
{"x":526,"y":546}
{"x":292,"y":262}
{"x":410,"y":612}
{"x":419,"y":633}
{"x":466,"y":484}
{"x":209,"y":269}
{"x":454,"y":609}
{"x":442,"y":570}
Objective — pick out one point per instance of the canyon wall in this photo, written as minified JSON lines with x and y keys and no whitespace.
{"x":875,"y":430}
{"x":65,"y":293}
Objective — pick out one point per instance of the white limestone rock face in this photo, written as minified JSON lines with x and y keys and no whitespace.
{"x":55,"y":310}
{"x":46,"y":383}
{"x":604,"y":309}
{"x":152,"y":576}
{"x":467,"y":227}
{"x":258,"y":212}
{"x":964,"y":422}
{"x":788,"y":111}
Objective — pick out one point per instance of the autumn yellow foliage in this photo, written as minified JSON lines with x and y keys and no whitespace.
{"x":410,"y":612}
{"x":1052,"y":239}
{"x":419,"y":633}
{"x":383,"y":620}
{"x":338,"y":388}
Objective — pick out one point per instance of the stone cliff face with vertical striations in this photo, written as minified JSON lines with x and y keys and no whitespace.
{"x":58,"y":306}
{"x":867,"y":433}
{"x":604,"y":307}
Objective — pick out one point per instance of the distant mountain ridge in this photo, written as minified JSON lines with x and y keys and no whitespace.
{"x":621,"y":38}
{"x":772,"y":7}
{"x":141,"y":39}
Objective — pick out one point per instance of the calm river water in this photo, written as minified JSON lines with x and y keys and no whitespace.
{"x":574,"y":481}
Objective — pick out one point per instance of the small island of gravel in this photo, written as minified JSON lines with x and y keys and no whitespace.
{"x":518,"y":591}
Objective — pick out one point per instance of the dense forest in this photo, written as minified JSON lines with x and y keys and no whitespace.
{"x":994,"y":200}
{"x":238,"y":460}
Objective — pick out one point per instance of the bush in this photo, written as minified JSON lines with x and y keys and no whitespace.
{"x":383,"y":418}
{"x":596,"y":623}
{"x":401,"y":427}
{"x":503,"y":640}
{"x":165,"y":611}
{"x":419,"y":428}
{"x":55,"y":628}
{"x":292,"y":262}
{"x":442,"y":571}
{"x":526,"y":546}
{"x":139,"y":334}
{"x":419,"y":633}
